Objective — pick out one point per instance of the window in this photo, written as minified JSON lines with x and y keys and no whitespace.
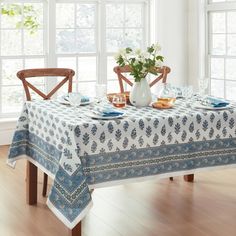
{"x":221,"y":46}
{"x":82,"y":35}
{"x":20,"y":48}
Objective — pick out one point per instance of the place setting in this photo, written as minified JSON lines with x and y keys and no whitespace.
{"x":109,"y":107}
{"x":211,"y":103}
{"x":75,"y":99}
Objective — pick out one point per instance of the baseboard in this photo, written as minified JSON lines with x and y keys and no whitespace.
{"x":7,"y":129}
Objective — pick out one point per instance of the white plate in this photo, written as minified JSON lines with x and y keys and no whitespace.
{"x":95,"y":116}
{"x":198,"y":105}
{"x":65,"y":102}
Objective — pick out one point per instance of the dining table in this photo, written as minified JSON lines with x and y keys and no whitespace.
{"x":81,"y":152}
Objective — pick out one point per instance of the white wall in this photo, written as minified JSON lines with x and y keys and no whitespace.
{"x":196,"y":39}
{"x":172,"y":18}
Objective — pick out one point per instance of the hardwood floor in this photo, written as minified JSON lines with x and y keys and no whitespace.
{"x":206,"y":207}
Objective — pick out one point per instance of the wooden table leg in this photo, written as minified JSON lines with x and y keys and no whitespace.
{"x":76,"y":231}
{"x":189,"y":178}
{"x":31,"y":183}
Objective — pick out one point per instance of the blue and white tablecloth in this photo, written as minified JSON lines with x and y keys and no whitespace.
{"x":80,"y":153}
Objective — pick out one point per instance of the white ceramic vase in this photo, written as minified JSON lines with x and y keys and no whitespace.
{"x":140,"y":94}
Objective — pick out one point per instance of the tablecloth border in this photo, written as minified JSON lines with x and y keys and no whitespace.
{"x":11,"y":163}
{"x":63,"y":219}
{"x":159,"y":176}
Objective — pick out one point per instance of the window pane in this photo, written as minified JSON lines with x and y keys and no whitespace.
{"x":133,"y":13}
{"x":113,"y":86}
{"x":7,"y":21}
{"x":87,"y":69}
{"x":35,"y":39}
{"x":41,"y":87}
{"x":65,"y":15}
{"x":34,"y":63}
{"x":231,"y":90}
{"x":231,"y":19}
{"x":66,"y":41}
{"x":217,"y":88}
{"x":85,"y":40}
{"x":12,"y":99}
{"x":115,"y":15}
{"x":10,"y":42}
{"x":218,"y":44}
{"x":67,"y":62}
{"x":85,"y":15}
{"x":217,"y":68}
{"x":230,"y":69}
{"x":9,"y":70}
{"x":114,"y":39}
{"x":218,"y":22}
{"x":133,"y":38}
{"x":232,"y":45}
{"x":110,"y":65}
{"x":87,"y":88}
{"x":33,"y":11}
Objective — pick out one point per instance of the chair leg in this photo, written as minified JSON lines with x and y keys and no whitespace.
{"x":171,"y":178}
{"x":45,"y":184}
{"x":189,"y":178}
{"x":31,"y":183}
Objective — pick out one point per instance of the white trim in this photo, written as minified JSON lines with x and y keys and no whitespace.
{"x":224,"y":7}
{"x":62,"y":218}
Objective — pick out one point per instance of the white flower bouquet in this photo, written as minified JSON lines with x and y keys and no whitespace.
{"x":140,"y":62}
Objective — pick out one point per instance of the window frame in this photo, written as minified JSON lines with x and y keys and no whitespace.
{"x":50,"y":55}
{"x":22,"y":56}
{"x":211,"y":7}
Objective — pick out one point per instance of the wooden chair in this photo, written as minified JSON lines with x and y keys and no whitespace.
{"x":45,"y":72}
{"x":162,"y":71}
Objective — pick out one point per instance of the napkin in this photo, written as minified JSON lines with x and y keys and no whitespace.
{"x":216,"y":102}
{"x":84,"y":99}
{"x":108,"y":112}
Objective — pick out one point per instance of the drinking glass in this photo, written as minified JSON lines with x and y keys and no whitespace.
{"x":203,"y":85}
{"x":74,"y":99}
{"x":167,"y":95}
{"x":187,"y":92}
{"x":101,"y":91}
{"x":119,"y":100}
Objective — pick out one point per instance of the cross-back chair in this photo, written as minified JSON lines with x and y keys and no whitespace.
{"x":161,"y":71}
{"x":44,"y":72}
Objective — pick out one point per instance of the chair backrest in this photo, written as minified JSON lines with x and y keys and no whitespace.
{"x":163,"y":71}
{"x":45,"y":72}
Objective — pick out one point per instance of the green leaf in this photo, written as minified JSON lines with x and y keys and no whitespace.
{"x":128,"y":50}
{"x":161,"y":58}
{"x":150,"y":50}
